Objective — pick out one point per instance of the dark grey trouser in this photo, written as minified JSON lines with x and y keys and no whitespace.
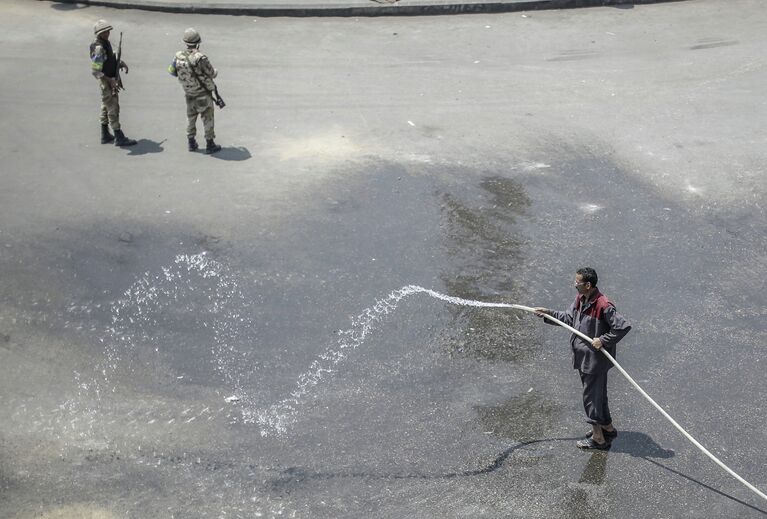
{"x":595,"y":398}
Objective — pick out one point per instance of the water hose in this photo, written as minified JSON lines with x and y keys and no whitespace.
{"x":465,"y":302}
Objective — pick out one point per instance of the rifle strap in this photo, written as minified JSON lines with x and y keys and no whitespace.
{"x":194,"y":73}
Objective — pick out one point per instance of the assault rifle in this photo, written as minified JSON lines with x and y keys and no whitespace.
{"x":118,"y":78}
{"x":218,"y":99}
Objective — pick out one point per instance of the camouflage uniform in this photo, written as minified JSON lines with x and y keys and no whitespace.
{"x":104,"y":64}
{"x":105,"y":67}
{"x":197,"y":88}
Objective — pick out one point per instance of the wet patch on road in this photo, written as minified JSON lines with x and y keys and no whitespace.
{"x":486,"y":252}
{"x":289,"y":289}
{"x":522,"y":418}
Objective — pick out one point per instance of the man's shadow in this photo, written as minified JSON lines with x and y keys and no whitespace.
{"x":233,"y":153}
{"x":146,"y":146}
{"x":640,"y":445}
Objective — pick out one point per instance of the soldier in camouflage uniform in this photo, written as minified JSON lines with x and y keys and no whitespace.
{"x":195,"y":73}
{"x":104,"y":67}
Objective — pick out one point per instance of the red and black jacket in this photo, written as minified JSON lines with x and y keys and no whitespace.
{"x":596,"y":317}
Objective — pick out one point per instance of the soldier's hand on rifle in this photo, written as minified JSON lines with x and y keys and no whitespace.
{"x":123,"y":66}
{"x":112,"y":82}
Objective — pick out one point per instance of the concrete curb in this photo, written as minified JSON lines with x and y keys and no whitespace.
{"x":356,"y":8}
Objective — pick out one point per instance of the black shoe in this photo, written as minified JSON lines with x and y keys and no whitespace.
{"x":192,"y":144}
{"x":122,"y":140}
{"x":211,"y":147}
{"x":609,"y":435}
{"x":106,"y":137}
{"x":590,"y":444}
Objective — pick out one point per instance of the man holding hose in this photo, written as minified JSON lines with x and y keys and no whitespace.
{"x":594,"y":315}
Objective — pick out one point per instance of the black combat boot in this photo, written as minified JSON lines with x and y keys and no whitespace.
{"x":192,"y":144}
{"x":122,"y":140}
{"x":212,"y":147}
{"x":106,"y":137}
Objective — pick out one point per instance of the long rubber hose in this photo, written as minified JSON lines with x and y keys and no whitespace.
{"x":457,"y":300}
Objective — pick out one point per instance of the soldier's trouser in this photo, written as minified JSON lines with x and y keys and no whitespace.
{"x":595,"y":398}
{"x":110,"y":106}
{"x":204,"y":107}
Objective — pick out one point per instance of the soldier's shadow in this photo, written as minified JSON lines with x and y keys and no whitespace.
{"x":145,"y":146}
{"x":68,"y":6}
{"x":234,"y":153}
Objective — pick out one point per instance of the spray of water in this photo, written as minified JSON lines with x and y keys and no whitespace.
{"x":197,"y":279}
{"x":191,"y":281}
{"x":279,"y":416}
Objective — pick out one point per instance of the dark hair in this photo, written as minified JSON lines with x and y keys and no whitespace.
{"x":588,"y":275}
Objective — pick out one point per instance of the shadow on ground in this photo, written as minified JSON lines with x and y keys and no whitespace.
{"x":68,"y":7}
{"x":146,"y":146}
{"x":594,"y":473}
{"x":233,"y":153}
{"x":640,"y":444}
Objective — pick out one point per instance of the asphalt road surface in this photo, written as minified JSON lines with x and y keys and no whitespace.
{"x":192,"y":336}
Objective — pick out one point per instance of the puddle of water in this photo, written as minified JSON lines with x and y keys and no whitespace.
{"x":522,"y":418}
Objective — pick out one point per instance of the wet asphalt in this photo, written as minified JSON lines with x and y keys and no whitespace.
{"x":486,"y":157}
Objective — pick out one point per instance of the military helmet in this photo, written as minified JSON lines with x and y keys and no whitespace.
{"x":191,"y":36}
{"x":101,"y":26}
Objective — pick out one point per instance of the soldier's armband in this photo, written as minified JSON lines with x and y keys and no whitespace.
{"x":97,"y":69}
{"x":172,"y":69}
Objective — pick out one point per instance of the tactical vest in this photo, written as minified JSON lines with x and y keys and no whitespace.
{"x":110,"y":65}
{"x":188,"y":75}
